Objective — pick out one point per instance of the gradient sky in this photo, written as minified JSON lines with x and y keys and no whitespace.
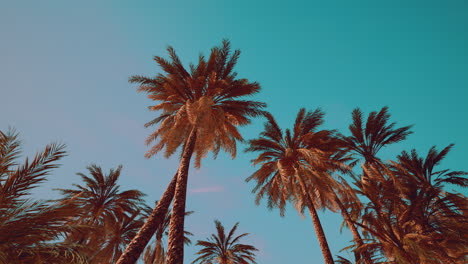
{"x":64,"y":67}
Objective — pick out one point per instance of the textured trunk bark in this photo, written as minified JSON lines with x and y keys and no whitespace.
{"x":154,"y":222}
{"x":327,"y":256}
{"x":175,"y":247}
{"x":354,"y":232}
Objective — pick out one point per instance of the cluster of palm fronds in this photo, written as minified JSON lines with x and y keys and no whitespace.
{"x":401,"y":208}
{"x":91,"y":223}
{"x":397,"y":211}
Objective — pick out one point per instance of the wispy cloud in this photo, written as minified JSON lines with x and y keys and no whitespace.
{"x":207,"y":189}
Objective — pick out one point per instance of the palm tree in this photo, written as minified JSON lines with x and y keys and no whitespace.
{"x":200,"y":110}
{"x":107,"y":218}
{"x":30,"y":230}
{"x":225,"y":249}
{"x":291,"y":169}
{"x":366,"y":140}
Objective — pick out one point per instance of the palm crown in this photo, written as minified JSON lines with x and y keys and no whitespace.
{"x":367,"y":139}
{"x":206,"y":97}
{"x":287,"y":159}
{"x":423,"y":168}
{"x":225,"y":249}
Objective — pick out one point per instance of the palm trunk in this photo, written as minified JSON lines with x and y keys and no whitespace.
{"x":154,"y":222}
{"x":354,"y":231}
{"x":327,"y":256}
{"x":175,"y":248}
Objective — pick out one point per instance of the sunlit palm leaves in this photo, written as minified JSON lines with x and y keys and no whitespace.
{"x":208,"y":96}
{"x":295,"y":166}
{"x":412,"y":223}
{"x":222,"y":248}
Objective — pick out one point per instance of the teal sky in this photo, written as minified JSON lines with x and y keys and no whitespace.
{"x":63,"y":77}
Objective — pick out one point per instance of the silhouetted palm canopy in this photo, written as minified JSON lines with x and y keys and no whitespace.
{"x":108,"y":218}
{"x":222,"y":248}
{"x":423,"y":168}
{"x":100,"y":198}
{"x":30,"y":230}
{"x":367,"y":139}
{"x":207,"y":96}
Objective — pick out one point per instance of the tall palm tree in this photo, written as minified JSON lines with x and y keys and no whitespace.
{"x":293,"y":170}
{"x":30,"y":230}
{"x":222,"y":248}
{"x":199,"y":109}
{"x":366,"y":140}
{"x":108,"y":218}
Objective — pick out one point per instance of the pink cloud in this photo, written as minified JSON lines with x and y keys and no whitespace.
{"x":207,"y":189}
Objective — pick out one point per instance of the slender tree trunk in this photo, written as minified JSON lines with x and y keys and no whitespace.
{"x":154,"y":222}
{"x":175,"y":247}
{"x":357,"y":237}
{"x":327,"y":256}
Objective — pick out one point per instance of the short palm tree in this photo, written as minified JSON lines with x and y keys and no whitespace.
{"x":222,"y":248}
{"x":293,"y":170}
{"x":199,"y":109}
{"x":30,"y":230}
{"x":108,"y":218}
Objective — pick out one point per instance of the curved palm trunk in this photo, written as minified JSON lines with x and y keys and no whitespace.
{"x":175,"y":247}
{"x":154,"y":222}
{"x":327,"y":256}
{"x":357,"y":237}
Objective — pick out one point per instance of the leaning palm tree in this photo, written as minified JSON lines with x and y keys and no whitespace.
{"x":222,"y":248}
{"x":107,"y":218}
{"x":199,"y":109}
{"x":293,"y":170}
{"x":30,"y":230}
